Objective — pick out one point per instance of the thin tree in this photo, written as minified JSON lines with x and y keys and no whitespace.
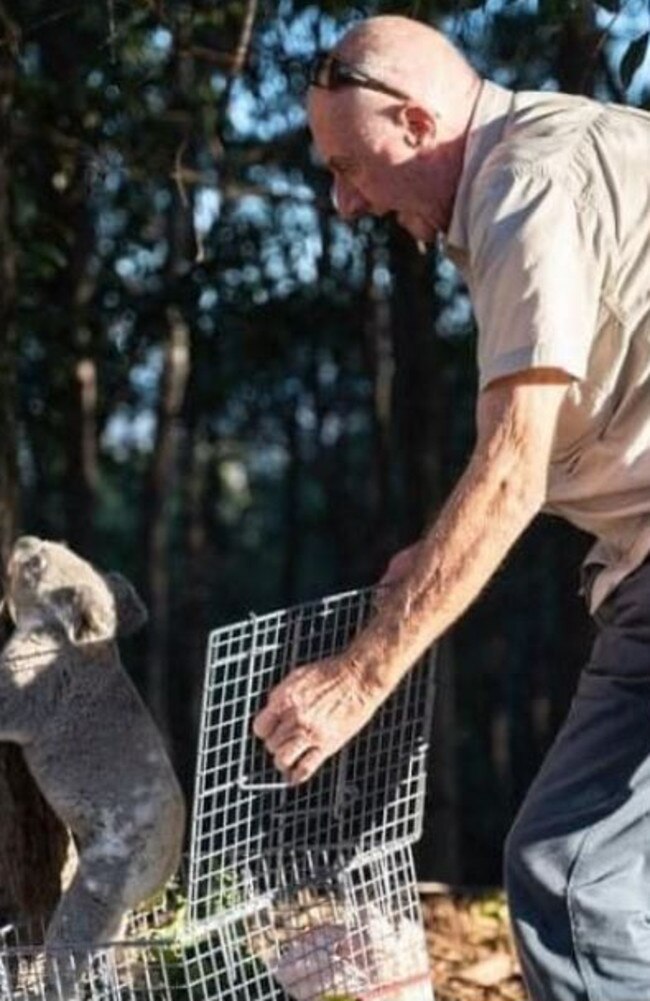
{"x":33,"y":844}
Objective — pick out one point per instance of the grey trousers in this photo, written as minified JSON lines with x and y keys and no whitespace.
{"x":577,"y":860}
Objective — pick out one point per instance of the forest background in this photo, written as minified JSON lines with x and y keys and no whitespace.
{"x":212,"y":384}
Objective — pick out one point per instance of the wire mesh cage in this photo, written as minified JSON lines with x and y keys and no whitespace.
{"x":302,"y":893}
{"x":369,"y":796}
{"x":152,"y":962}
{"x":339,"y":931}
{"x":325,"y":931}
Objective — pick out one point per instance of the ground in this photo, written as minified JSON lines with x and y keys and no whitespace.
{"x":470,"y":945}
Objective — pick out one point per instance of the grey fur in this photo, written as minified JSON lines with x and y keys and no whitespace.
{"x":87,"y":738}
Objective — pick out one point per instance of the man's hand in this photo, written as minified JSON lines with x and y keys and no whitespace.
{"x":312,"y":713}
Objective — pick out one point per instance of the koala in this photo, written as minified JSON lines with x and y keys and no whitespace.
{"x":87,"y":739}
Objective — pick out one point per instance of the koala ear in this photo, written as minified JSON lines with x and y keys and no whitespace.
{"x":129,"y":609}
{"x":85,"y":618}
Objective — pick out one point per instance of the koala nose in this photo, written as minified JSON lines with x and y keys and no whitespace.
{"x":32,"y":569}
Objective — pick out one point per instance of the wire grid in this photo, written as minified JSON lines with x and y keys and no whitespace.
{"x":154,"y":962}
{"x":246,"y":819}
{"x":159,"y":959}
{"x":354,"y":932}
{"x":180,"y":969}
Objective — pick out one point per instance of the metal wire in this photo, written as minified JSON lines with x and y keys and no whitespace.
{"x":306,"y":893}
{"x":149,"y":963}
{"x":353,"y":932}
{"x":246,"y":818}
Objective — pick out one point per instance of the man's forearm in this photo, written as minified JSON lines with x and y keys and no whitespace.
{"x":318,"y":707}
{"x":491,"y":506}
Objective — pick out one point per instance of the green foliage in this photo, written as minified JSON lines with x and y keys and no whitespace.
{"x":493,"y":905}
{"x":223,"y":894}
{"x":171,"y":931}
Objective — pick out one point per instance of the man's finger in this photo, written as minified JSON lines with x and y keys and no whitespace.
{"x":306,"y":767}
{"x":290,"y":753}
{"x":285,"y":730}
{"x":265,"y":722}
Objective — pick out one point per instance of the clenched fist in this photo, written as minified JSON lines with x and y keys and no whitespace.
{"x":312,"y":713}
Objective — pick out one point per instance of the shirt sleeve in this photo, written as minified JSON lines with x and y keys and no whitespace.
{"x":535,"y":282}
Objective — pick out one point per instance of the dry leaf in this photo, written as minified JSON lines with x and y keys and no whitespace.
{"x":490,"y":971}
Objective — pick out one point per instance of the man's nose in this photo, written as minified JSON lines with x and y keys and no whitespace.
{"x":348,"y":202}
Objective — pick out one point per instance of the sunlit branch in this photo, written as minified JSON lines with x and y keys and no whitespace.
{"x":243,"y":45}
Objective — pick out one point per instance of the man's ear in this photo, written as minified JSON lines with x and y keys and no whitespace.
{"x":86,"y":616}
{"x":420,"y":125}
{"x":130,"y":611}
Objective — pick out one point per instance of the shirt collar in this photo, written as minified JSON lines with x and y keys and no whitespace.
{"x":485,"y":130}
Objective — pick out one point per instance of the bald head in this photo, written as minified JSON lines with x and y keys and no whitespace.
{"x":413,"y":57}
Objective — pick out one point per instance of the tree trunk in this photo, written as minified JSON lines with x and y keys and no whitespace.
{"x":380,"y":360}
{"x":421,"y":411}
{"x":420,"y":405}
{"x":8,"y":340}
{"x":292,"y":506}
{"x":158,"y":491}
{"x":193,"y":606}
{"x":33,"y":844}
{"x":176,"y":368}
{"x":579,"y":50}
{"x":83,"y":468}
{"x":69,"y":292}
{"x":80,"y":402}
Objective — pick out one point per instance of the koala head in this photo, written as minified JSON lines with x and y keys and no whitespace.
{"x":46,"y":582}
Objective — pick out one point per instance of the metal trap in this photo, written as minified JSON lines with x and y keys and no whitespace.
{"x":154,"y":961}
{"x":306,"y":893}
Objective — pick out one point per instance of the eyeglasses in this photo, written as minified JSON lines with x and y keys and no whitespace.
{"x":330,"y":73}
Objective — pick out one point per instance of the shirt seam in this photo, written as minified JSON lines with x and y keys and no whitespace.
{"x":585,"y":197}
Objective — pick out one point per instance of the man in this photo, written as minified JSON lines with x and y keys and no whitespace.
{"x":543,"y":202}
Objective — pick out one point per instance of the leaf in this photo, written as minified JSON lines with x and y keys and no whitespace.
{"x":489,"y":972}
{"x":633,"y":58}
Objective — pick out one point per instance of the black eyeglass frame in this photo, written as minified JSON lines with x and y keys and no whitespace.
{"x":330,"y":73}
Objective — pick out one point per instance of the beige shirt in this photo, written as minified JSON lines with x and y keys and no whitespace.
{"x":551,"y":229}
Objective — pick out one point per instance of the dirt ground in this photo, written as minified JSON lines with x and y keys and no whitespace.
{"x":471,"y":950}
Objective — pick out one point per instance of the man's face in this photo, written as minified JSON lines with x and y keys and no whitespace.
{"x":376,"y":164}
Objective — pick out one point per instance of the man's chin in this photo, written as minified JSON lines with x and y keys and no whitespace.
{"x":423,"y":233}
